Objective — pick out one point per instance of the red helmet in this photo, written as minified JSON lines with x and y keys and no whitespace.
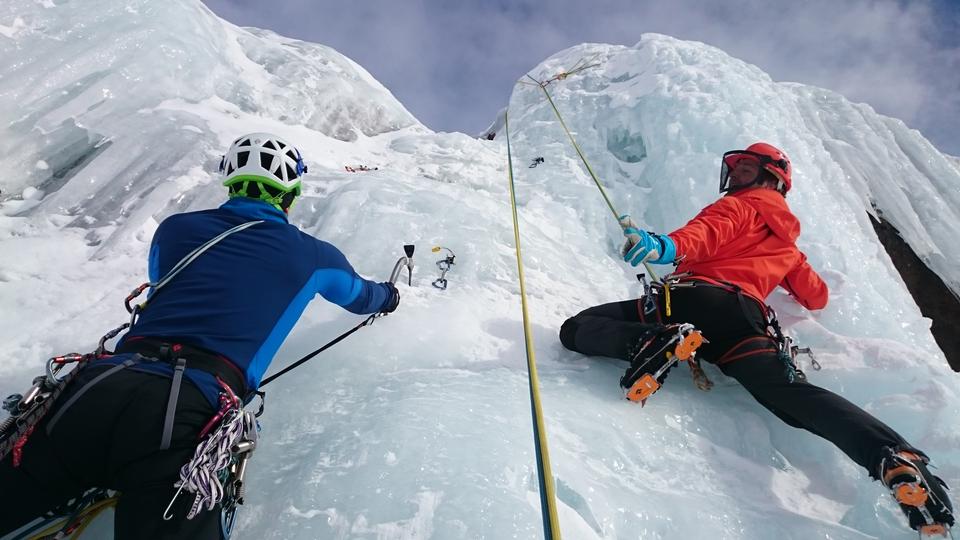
{"x":771,"y":158}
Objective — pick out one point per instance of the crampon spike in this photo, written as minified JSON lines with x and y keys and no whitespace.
{"x":911,"y":494}
{"x":909,"y":486}
{"x":646,"y":385}
{"x":688,"y":345}
{"x":937,"y":529}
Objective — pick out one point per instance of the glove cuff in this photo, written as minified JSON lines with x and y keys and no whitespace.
{"x":668,"y":249}
{"x":393,"y":298}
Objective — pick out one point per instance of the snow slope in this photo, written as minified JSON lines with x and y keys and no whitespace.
{"x":419,"y":426}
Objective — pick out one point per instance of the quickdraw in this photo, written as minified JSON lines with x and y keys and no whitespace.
{"x":26,"y":410}
{"x":217,"y":470}
{"x":787,"y":351}
{"x":444,"y":265}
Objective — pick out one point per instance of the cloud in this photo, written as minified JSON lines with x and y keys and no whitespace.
{"x":453,"y":64}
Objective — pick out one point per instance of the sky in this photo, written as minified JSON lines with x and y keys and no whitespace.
{"x":454,"y":64}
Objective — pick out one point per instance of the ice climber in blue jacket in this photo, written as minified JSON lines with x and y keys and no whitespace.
{"x":130,"y":420}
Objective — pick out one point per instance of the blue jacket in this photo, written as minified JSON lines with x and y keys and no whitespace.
{"x":241,"y":297}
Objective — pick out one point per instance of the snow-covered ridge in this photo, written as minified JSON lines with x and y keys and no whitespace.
{"x":94,"y":87}
{"x":418,"y":427}
{"x":668,"y":108}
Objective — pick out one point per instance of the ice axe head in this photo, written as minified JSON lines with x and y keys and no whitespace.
{"x":407,"y":261}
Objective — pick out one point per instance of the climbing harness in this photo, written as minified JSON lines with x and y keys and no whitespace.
{"x":27,"y":410}
{"x":650,"y":308}
{"x":772,"y":340}
{"x":444,"y":265}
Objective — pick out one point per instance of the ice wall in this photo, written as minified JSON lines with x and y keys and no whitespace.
{"x":419,"y":426}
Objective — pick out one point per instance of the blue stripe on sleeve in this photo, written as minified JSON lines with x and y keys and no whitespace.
{"x":321,"y":280}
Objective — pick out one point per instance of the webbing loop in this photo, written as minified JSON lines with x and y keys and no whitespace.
{"x":548,"y":507}
{"x":177,"y":268}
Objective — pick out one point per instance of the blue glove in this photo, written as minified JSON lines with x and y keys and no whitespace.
{"x":648,"y":247}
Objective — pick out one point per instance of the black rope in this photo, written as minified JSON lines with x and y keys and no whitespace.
{"x":338,"y":339}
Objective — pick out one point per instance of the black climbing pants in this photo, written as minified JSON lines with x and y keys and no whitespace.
{"x":110,"y":438}
{"x":735,"y":326}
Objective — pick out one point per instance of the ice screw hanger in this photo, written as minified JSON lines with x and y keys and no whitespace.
{"x":444,"y":266}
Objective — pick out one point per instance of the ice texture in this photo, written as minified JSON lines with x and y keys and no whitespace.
{"x":419,"y":426}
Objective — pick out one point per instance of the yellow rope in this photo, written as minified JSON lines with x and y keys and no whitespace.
{"x":616,"y":215}
{"x":603,"y":192}
{"x":551,"y":524}
{"x":85,"y":516}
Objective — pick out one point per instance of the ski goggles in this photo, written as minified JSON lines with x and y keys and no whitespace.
{"x":732,"y":158}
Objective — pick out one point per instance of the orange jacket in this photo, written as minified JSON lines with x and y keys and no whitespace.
{"x":747,"y":238}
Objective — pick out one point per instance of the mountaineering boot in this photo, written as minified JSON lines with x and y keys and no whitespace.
{"x":659,"y":351}
{"x":921,"y":495}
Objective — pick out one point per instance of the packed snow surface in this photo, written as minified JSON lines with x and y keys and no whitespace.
{"x":114,"y":116}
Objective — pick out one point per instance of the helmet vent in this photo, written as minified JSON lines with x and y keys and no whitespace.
{"x":270,"y":190}
{"x":263,"y":166}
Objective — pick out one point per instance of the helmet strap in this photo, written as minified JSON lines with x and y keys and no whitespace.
{"x":254,"y":190}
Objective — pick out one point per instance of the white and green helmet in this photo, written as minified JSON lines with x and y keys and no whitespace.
{"x":263,"y":166}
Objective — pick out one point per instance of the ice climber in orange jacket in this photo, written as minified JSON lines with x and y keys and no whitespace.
{"x":729,"y":258}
